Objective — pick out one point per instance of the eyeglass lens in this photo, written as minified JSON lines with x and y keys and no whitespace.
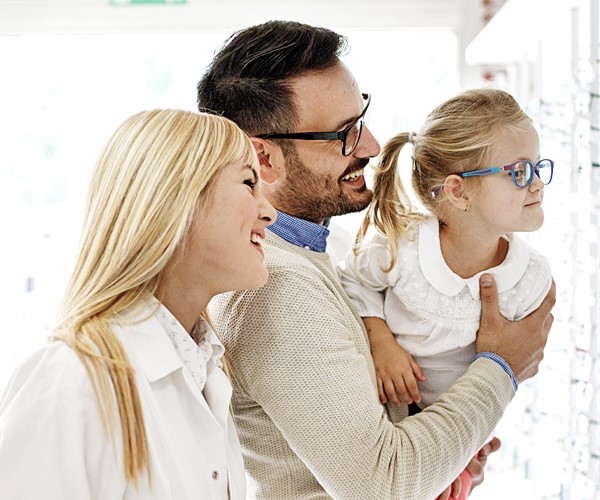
{"x":523,"y":172}
{"x":352,"y":137}
{"x":544,"y":171}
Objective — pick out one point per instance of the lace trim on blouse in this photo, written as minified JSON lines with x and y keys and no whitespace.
{"x":198,"y":358}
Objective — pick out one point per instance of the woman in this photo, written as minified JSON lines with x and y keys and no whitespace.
{"x":129,"y":400}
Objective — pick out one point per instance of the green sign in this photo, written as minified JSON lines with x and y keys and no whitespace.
{"x":145,"y":2}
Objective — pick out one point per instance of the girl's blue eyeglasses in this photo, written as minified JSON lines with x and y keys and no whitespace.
{"x":521,"y":172}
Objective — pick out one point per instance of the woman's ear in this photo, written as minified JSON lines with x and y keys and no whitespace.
{"x":268,"y":157}
{"x":455,"y":192}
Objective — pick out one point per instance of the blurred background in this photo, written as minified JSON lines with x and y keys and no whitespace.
{"x":72,"y":70}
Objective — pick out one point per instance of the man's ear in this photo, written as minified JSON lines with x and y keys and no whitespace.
{"x":270,"y":159}
{"x":455,"y":192}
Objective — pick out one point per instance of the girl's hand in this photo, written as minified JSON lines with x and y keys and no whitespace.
{"x":397,"y":375}
{"x":396,"y":370}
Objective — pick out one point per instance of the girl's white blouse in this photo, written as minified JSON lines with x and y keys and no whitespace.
{"x":433,"y":312}
{"x":52,"y":442}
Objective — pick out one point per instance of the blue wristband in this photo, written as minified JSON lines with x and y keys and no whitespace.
{"x":502,"y":363}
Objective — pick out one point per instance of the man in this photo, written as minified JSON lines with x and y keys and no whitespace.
{"x":306,"y":401}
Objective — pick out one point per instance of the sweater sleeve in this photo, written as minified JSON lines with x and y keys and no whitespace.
{"x":293,"y":354}
{"x":364,"y":279}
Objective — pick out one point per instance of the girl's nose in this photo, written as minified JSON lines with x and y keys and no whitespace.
{"x":536,"y":183}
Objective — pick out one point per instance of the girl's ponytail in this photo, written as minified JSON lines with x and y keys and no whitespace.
{"x":391,"y":211}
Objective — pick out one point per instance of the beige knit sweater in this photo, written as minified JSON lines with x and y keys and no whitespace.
{"x":305,"y":396}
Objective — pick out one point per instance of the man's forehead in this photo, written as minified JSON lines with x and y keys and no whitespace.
{"x":332,"y":79}
{"x":329,"y":96}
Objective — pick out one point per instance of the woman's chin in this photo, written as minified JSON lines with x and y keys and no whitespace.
{"x":254,"y":281}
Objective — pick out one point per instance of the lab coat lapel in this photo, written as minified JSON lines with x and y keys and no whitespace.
{"x":217,"y":393}
{"x":149,"y":343}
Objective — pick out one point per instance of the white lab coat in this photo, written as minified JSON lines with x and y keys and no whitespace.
{"x":53,"y":447}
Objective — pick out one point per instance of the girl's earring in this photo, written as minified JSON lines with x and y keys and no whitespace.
{"x":467,"y":207}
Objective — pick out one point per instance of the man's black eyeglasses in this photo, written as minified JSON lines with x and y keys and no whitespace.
{"x":350,"y":136}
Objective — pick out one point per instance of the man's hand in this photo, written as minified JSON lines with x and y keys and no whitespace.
{"x":475,"y":468}
{"x":520,"y":343}
{"x":477,"y":465}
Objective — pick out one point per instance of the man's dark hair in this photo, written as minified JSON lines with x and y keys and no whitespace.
{"x":248,"y":79}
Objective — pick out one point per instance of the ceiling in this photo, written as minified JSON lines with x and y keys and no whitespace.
{"x":110,"y":16}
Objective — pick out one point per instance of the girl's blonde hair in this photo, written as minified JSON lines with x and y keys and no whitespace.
{"x":457,"y":136}
{"x":153,"y":176}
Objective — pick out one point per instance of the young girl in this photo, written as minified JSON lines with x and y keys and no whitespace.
{"x":476,"y":167}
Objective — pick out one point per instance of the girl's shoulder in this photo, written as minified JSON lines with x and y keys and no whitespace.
{"x":536,"y":263}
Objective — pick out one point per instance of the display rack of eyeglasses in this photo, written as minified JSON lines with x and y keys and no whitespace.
{"x":551,"y":430}
{"x":584,"y":422}
{"x":553,"y":442}
{"x":545,"y":451}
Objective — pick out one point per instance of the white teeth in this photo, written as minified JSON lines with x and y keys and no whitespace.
{"x":353,"y":176}
{"x":256,"y":238}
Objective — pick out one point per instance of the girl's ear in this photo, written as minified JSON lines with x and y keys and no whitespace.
{"x":455,"y":192}
{"x":270,"y":159}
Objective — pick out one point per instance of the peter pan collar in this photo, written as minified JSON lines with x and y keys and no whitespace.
{"x":445,"y":281}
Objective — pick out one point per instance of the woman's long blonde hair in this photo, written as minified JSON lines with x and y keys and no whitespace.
{"x":457,"y":136}
{"x":151,"y":178}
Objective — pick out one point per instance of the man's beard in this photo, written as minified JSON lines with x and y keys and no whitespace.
{"x":315,"y":197}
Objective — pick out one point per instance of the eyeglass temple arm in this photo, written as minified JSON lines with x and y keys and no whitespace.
{"x":479,"y":173}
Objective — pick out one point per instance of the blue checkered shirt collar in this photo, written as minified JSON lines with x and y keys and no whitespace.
{"x":301,"y":232}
